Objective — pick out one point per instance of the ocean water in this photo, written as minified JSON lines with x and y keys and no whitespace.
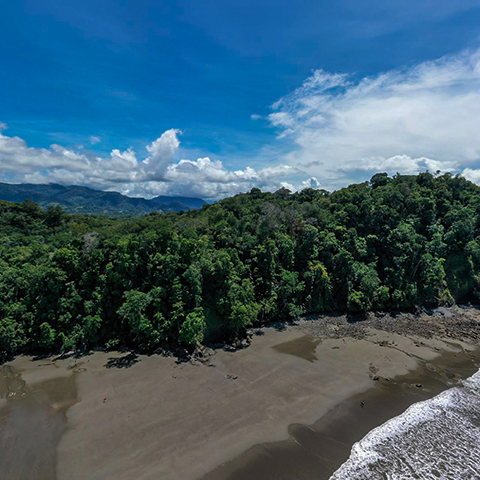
{"x":434,"y":439}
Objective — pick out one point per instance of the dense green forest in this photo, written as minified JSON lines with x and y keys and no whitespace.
{"x":78,"y":281}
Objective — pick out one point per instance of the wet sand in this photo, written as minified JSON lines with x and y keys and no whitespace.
{"x":32,"y":421}
{"x":315,"y":452}
{"x":252,"y":413}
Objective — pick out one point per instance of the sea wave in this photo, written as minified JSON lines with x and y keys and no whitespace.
{"x":434,"y":439}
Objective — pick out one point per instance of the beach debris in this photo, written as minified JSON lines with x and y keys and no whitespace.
{"x":418,"y":385}
{"x":373,"y":368}
{"x":375,"y":378}
{"x":385,"y":343}
{"x":362,"y":404}
{"x":73,"y":364}
{"x":64,"y":355}
{"x":430,"y":367}
{"x":232,"y":377}
{"x":104,"y":400}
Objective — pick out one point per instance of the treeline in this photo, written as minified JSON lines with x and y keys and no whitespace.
{"x":78,"y":281}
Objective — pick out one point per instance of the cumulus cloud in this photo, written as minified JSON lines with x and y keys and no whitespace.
{"x":124,"y":171}
{"x":311,"y":182}
{"x":409,"y":120}
{"x":472,"y":174}
{"x":162,"y":152}
{"x":289,"y":186}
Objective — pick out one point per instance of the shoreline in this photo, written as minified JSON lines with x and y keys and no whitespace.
{"x":316,"y":451}
{"x":169,"y":420}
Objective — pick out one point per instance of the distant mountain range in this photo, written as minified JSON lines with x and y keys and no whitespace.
{"x":75,"y":199}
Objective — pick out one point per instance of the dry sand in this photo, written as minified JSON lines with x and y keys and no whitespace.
{"x":163,"y":420}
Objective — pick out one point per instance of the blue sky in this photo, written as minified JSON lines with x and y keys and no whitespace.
{"x":105,"y":81}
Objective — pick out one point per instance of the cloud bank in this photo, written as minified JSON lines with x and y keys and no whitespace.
{"x":157,"y":173}
{"x":410,"y":120}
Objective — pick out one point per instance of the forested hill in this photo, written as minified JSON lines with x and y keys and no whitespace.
{"x":76,"y":199}
{"x":76,"y":281}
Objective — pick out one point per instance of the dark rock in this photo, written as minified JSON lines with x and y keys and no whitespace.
{"x":162,"y":352}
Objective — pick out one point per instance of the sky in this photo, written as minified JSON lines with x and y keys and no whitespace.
{"x":213,"y":98}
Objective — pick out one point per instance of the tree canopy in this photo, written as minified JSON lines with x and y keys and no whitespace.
{"x":79,"y":281}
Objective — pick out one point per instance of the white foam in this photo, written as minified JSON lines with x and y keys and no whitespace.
{"x":434,"y":439}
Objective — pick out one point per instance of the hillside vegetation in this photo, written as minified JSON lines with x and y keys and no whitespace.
{"x":77,"y":199}
{"x":78,"y":281}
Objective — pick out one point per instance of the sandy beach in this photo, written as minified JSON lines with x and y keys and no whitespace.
{"x":122,"y":416}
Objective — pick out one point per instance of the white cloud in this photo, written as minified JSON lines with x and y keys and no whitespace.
{"x":472,"y":174}
{"x":311,"y":182}
{"x":423,"y":117}
{"x":162,"y":152}
{"x":288,"y":186}
{"x":94,"y":139}
{"x":16,"y":157}
{"x":123,"y":171}
{"x":121,"y":160}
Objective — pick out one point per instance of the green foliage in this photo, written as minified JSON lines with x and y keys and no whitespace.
{"x":46,"y":339}
{"x":138,"y":329}
{"x":12,"y":337}
{"x":78,"y":281}
{"x":244,"y":309}
{"x":193,"y":328}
